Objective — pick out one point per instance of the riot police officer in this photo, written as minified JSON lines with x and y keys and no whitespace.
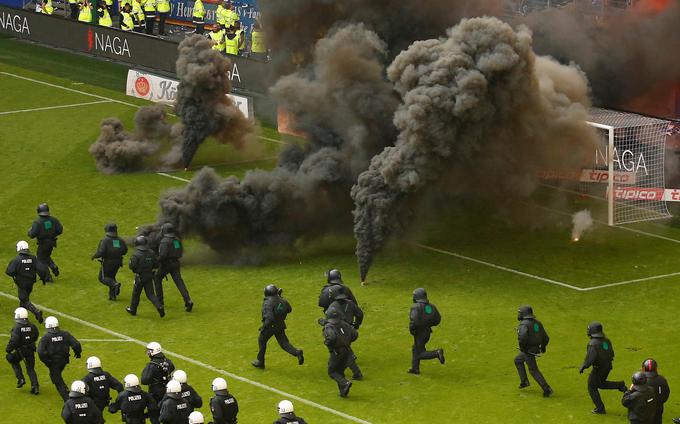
{"x":193,"y":399}
{"x":133,"y":402}
{"x":157,"y":372}
{"x":274,"y":311}
{"x":352,"y":314}
{"x":21,"y":346}
{"x":143,"y":263}
{"x":533,"y":340}
{"x":287,"y":414}
{"x":423,"y":316}
{"x":23,"y":269}
{"x":79,"y":408}
{"x":659,"y":386}
{"x":99,"y":383}
{"x":174,"y":409}
{"x":46,"y":229}
{"x":333,"y":285}
{"x":599,"y":355}
{"x":170,"y":251}
{"x":110,"y":252}
{"x":54,"y":350}
{"x":223,"y":405}
{"x":338,"y":336}
{"x":640,"y":400}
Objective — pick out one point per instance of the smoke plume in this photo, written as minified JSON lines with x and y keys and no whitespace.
{"x":480,"y":114}
{"x":582,"y":222}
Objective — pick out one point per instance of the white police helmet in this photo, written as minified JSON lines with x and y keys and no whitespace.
{"x":153,"y":348}
{"x":196,"y":418}
{"x":180,"y":376}
{"x":22,"y":246}
{"x":51,"y":322}
{"x":173,"y":386}
{"x":78,"y":386}
{"x":219,"y":384}
{"x":285,"y":407}
{"x":131,"y":380}
{"x":20,"y":313}
{"x":93,"y":362}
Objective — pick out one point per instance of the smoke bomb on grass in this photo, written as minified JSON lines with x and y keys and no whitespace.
{"x":582,"y":222}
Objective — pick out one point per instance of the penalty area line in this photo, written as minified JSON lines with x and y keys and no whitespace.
{"x":198,"y":363}
{"x":11,"y":112}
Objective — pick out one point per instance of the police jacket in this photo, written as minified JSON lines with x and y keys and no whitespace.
{"x":275,"y":309}
{"x":55,"y":347}
{"x":23,"y":337}
{"x":224,"y":408}
{"x":290,"y":419}
{"x":24,"y":268}
{"x":423,"y":316}
{"x":531,"y":336}
{"x":100,"y":383}
{"x":660,"y":387}
{"x":170,"y":248}
{"x":192,"y":398}
{"x":349,"y":311}
{"x":174,"y":410}
{"x":45,"y":229}
{"x":329,"y":291}
{"x":143,"y":262}
{"x":338,"y":334}
{"x":641,"y":404}
{"x":157,"y":373}
{"x":111,"y":248}
{"x":132,"y":403}
{"x":599,"y":353}
{"x":80,"y":409}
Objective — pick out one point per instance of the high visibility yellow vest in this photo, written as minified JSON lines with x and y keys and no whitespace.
{"x":85,"y":14}
{"x":231,"y":17}
{"x":163,"y":6}
{"x":149,"y":5}
{"x":221,"y":15}
{"x":109,"y":2}
{"x":231,"y":45}
{"x":47,"y":8}
{"x":128,"y":23}
{"x":105,"y":20}
{"x":218,"y":39}
{"x":137,"y":10}
{"x":199,"y":10}
{"x":257,"y":44}
{"x":122,"y":3}
{"x":72,"y":2}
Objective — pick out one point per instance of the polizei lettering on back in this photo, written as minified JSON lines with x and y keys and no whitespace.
{"x":14,"y":23}
{"x":114,"y":45}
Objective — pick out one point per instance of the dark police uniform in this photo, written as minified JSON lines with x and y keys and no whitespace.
{"x":174,"y":410}
{"x":111,"y":251}
{"x":193,"y":399}
{"x":99,"y":383}
{"x":224,"y":408}
{"x":46,"y":229}
{"x":423,"y":316}
{"x":661,"y":390}
{"x":533,"y":340}
{"x":274,"y":312}
{"x":132,"y":403}
{"x":21,"y":345}
{"x":23,"y":270}
{"x":290,"y":419}
{"x":352,"y":314}
{"x":156,"y":375}
{"x":338,"y":336}
{"x":80,"y":409}
{"x":331,"y":290}
{"x":170,"y":251}
{"x":600,"y":355}
{"x":641,"y":403}
{"x":143,"y":263}
{"x":54,"y":352}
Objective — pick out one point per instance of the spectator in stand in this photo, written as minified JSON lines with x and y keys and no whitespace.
{"x":127,"y":23}
{"x":103,"y":15}
{"x":138,"y":16}
{"x":241,"y":35}
{"x":221,"y":14}
{"x":217,"y":37}
{"x":73,"y":6}
{"x":258,"y":47}
{"x":231,"y":15}
{"x":109,"y":5}
{"x":199,"y":16}
{"x":149,"y":14}
{"x":46,"y":7}
{"x":231,"y":41}
{"x":85,"y":14}
{"x":163,"y":8}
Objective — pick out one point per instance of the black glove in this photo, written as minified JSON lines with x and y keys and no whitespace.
{"x":77,"y":355}
{"x":580,"y":371}
{"x":322,"y":321}
{"x":543,"y":349}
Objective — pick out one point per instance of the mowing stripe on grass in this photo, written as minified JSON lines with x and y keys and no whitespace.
{"x":197,"y":363}
{"x":54,"y":107}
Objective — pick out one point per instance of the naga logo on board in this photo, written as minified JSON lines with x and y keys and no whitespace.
{"x":108,"y":44}
{"x":14,"y":23}
{"x":142,"y":86}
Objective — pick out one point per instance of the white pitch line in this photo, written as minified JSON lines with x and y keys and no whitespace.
{"x":273,"y":140}
{"x":163,"y":174}
{"x":637,"y":280}
{"x":198,"y":363}
{"x":11,"y":112}
{"x":106,"y":340}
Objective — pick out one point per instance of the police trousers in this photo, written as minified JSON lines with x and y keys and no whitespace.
{"x":143,"y":282}
{"x":107,"y":275}
{"x":56,"y":368}
{"x":171,"y":267}
{"x":44,"y":254}
{"x":24,"y":289}
{"x":530,"y":360}
{"x":598,"y":380}
{"x":280,"y":334}
{"x":28,"y":356}
{"x":419,"y":352}
{"x":337,"y":362}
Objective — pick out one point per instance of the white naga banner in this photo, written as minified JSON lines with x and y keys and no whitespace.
{"x":160,"y":89}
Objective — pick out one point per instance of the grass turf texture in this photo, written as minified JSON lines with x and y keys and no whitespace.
{"x":45,"y":159}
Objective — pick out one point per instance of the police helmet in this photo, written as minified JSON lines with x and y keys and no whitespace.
{"x":93,"y":362}
{"x":649,"y":365}
{"x":334,"y":276}
{"x":22,"y":246}
{"x":595,"y":329}
{"x":78,"y":387}
{"x":131,"y":380}
{"x":180,"y":376}
{"x":153,"y":348}
{"x":43,"y":209}
{"x":51,"y":322}
{"x":271,"y":290}
{"x":111,"y":229}
{"x":173,"y":386}
{"x":167,"y":228}
{"x":196,"y":418}
{"x":419,"y":294}
{"x":20,"y":314}
{"x":141,"y":242}
{"x":525,"y":311}
{"x":332,"y":313}
{"x":285,"y":407}
{"x":219,"y":385}
{"x":639,"y":378}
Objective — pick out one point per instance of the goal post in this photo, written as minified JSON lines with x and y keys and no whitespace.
{"x":609,"y":137}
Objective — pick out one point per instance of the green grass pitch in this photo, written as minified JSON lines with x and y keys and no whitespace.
{"x":44,"y":158}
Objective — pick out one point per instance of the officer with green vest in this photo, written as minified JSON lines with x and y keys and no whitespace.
{"x":600,"y":355}
{"x":111,"y":248}
{"x":47,"y":228}
{"x":423,"y":316}
{"x":221,"y":14}
{"x":533,"y":340}
{"x":199,"y":16}
{"x":163,"y":7}
{"x":103,"y":15}
{"x":258,"y":47}
{"x":231,"y":41}
{"x":85,"y":14}
{"x":74,"y":7}
{"x":149,"y":14}
{"x":217,"y":37}
{"x":127,"y":23}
